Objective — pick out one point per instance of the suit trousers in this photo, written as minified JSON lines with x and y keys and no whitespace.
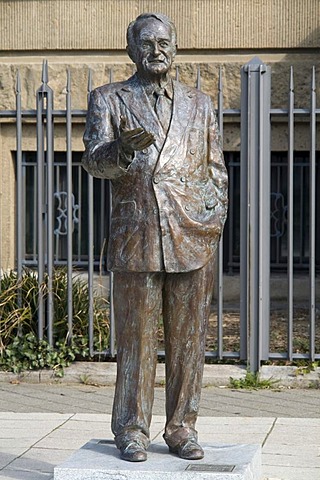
{"x":183,"y":300}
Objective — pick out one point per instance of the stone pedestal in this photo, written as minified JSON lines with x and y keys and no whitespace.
{"x":99,"y":460}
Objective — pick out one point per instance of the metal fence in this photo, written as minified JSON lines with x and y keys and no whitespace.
{"x":57,"y":221}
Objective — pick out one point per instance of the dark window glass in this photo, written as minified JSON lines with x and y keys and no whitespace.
{"x":79,"y":210}
{"x":278,"y":211}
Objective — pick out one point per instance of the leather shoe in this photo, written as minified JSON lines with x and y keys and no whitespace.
{"x":188,"y":449}
{"x":133,"y":452}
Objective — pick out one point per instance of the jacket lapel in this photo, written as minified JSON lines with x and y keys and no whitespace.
{"x":135,"y":99}
{"x":182,"y":113}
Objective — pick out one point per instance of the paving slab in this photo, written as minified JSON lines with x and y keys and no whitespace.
{"x":99,"y":459}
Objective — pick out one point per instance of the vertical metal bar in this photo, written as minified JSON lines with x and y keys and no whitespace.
{"x":312,"y":248}
{"x":50,"y":204}
{"x":303,"y":211}
{"x":90,"y":246}
{"x":90,"y":261}
{"x":19,"y":216}
{"x":231,"y":211}
{"x":69,"y":204}
{"x":255,"y":210}
{"x":40,"y":211}
{"x":220,"y":246}
{"x":244,"y":210}
{"x":252,"y":259}
{"x":112,"y":318}
{"x":102,"y":215}
{"x":263,"y":196}
{"x":19,"y":232}
{"x":278,"y":177}
{"x":80,"y":213}
{"x":58,"y":250}
{"x":290,"y":214}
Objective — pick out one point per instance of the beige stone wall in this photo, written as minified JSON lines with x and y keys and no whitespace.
{"x":7,"y":198}
{"x":202,"y":24}
{"x":30,"y":72}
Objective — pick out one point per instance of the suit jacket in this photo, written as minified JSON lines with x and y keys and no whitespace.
{"x":169,"y":206}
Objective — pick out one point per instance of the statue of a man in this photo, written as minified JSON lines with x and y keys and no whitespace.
{"x":158,"y":142}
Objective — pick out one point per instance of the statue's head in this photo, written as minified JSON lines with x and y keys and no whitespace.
{"x":152,"y":43}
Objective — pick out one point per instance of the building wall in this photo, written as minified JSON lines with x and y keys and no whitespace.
{"x":83,"y":34}
{"x":33,"y":25}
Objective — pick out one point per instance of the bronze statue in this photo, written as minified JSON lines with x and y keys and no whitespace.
{"x":158,"y":142}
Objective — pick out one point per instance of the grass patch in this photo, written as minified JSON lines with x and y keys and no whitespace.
{"x":252,"y":381}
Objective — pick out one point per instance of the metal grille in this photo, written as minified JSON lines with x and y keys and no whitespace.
{"x":79,"y":207}
{"x":278,"y":212}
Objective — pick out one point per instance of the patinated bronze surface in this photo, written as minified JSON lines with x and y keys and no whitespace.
{"x":158,"y":142}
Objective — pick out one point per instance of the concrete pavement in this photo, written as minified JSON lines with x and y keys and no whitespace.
{"x":42,"y":424}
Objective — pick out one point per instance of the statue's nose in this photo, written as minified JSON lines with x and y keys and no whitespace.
{"x":156,"y":50}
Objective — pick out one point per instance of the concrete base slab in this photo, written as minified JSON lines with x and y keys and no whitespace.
{"x":99,"y":460}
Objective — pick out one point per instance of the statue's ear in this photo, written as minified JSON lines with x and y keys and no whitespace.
{"x":175,"y":50}
{"x":131,"y":53}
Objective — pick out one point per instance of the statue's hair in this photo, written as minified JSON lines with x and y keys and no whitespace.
{"x":131,"y":31}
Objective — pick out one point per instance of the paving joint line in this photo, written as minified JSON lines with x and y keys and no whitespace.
{"x":270,"y":431}
{"x":157,"y":435}
{"x":59,"y":426}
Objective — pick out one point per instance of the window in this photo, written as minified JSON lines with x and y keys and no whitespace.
{"x":278,"y":212}
{"x":80,"y":210}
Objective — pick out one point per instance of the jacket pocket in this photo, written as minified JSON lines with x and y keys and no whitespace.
{"x":125,"y":209}
{"x":195,"y":141}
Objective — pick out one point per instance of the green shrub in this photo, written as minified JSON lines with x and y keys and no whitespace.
{"x":20,"y":348}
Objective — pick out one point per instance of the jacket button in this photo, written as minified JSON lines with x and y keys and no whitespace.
{"x":155,"y":211}
{"x":187,"y":208}
{"x":145,"y":150}
{"x":156,"y":179}
{"x":192,"y":151}
{"x":182,"y":179}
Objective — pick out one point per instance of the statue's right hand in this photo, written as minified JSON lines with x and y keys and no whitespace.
{"x":136,"y":139}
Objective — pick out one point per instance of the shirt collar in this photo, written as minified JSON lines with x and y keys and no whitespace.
{"x":150,"y":87}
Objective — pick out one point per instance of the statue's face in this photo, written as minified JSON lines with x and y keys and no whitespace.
{"x":154,"y":50}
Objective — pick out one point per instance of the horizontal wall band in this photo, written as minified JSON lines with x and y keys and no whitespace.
{"x":201,"y":24}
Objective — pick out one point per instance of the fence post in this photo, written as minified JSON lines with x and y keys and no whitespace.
{"x":45,"y":184}
{"x":255,"y":213}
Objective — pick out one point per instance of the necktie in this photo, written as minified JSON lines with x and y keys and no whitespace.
{"x":163,"y":108}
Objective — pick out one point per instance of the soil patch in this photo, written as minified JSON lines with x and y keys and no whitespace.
{"x":278,"y":332}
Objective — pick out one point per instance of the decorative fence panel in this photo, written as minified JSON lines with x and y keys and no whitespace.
{"x":63,"y":214}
